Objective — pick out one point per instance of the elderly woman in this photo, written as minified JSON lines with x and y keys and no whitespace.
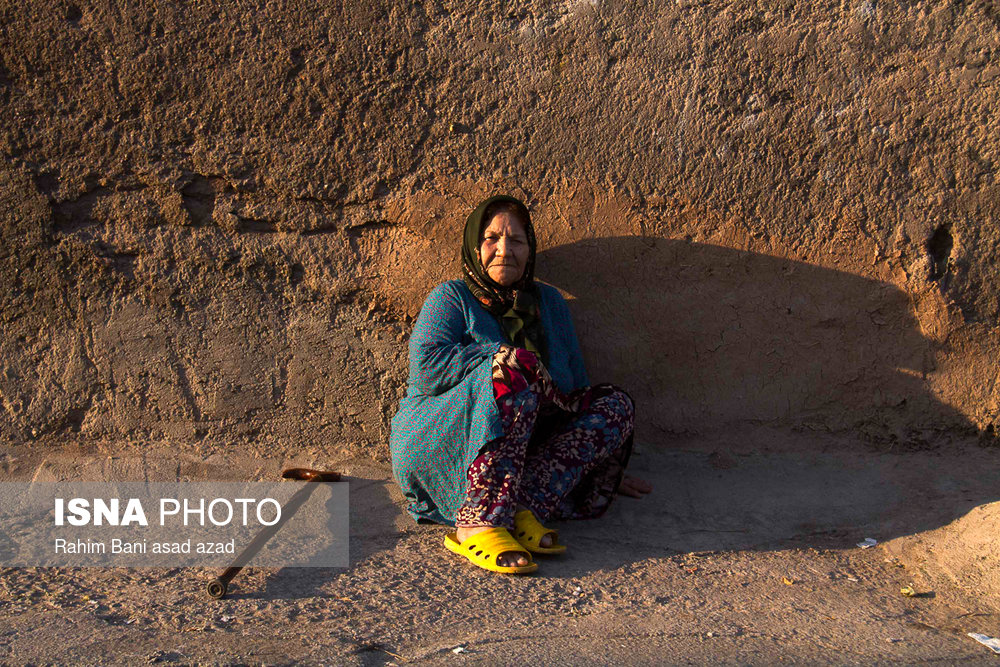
{"x":500,"y":429}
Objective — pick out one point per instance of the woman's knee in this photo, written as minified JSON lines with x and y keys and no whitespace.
{"x":617,"y":401}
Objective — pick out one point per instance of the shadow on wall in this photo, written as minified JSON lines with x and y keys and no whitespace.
{"x":707,"y":336}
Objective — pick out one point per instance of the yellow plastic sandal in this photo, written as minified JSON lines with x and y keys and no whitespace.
{"x":528,"y":533}
{"x":484,"y":548}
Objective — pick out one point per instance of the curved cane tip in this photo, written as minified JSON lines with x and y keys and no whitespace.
{"x":309,"y":475}
{"x":216,"y":589}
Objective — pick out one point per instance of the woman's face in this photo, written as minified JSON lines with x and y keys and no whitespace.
{"x":503,"y":249}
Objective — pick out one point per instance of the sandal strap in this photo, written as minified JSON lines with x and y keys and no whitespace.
{"x":489,"y":544}
{"x":527,"y":527}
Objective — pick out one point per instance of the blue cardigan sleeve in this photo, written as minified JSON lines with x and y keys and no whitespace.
{"x":442,"y":354}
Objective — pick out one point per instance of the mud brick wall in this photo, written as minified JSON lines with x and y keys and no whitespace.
{"x":220,"y":219}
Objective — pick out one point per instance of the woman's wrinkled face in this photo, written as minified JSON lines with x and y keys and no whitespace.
{"x":503,"y":249}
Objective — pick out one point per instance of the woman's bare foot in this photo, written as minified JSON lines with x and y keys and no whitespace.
{"x":506,"y":559}
{"x":634,"y":487}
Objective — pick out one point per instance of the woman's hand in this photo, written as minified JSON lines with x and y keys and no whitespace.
{"x":633,"y":487}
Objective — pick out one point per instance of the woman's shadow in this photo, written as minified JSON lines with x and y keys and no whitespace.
{"x":779,"y":402}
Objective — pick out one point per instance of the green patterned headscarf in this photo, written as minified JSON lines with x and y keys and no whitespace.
{"x":515,"y":307}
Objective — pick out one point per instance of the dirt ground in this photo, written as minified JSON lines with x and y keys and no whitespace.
{"x":745,"y":553}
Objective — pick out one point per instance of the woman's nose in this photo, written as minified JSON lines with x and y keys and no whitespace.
{"x":502,"y":246}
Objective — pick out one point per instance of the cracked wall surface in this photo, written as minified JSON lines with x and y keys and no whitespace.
{"x":219,"y":220}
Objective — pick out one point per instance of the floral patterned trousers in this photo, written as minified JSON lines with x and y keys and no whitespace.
{"x":561,"y":456}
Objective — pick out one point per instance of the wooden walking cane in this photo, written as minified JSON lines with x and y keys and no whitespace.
{"x":217,"y":587}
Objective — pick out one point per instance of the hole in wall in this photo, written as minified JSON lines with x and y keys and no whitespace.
{"x":939,"y":247}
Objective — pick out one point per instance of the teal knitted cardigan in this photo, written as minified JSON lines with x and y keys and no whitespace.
{"x":449,"y":411}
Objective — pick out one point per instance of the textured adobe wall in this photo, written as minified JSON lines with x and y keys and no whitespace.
{"x":219,"y":221}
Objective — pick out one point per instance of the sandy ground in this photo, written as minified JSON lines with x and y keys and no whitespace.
{"x":745,"y":553}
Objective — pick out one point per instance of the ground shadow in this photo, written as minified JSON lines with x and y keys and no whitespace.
{"x":800,"y":493}
{"x":373,"y":528}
